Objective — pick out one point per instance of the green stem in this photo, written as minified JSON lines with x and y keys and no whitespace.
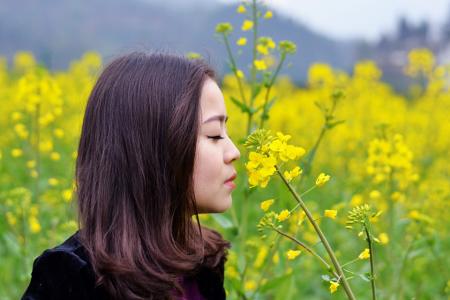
{"x":234,"y":66}
{"x":312,"y":153}
{"x":371,"y":257}
{"x":255,"y":37}
{"x":350,"y":262}
{"x":37,"y":154}
{"x":266,"y":265}
{"x":272,"y":81}
{"x":307,"y":248}
{"x":322,"y":237}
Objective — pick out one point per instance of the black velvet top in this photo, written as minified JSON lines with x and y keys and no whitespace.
{"x":64,"y":272}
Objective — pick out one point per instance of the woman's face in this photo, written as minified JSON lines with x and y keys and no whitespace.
{"x":215,"y":153}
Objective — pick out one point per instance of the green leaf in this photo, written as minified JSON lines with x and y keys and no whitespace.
{"x":364,"y":277}
{"x":274,"y":282}
{"x":241,"y":263}
{"x":271,"y":102}
{"x":319,"y":105}
{"x":335,"y":123}
{"x":223,"y":221}
{"x":257,"y":90}
{"x":244,"y":108}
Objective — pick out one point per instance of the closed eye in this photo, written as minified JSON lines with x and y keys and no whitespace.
{"x":217,"y":137}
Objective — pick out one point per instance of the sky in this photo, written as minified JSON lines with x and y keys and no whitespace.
{"x":364,"y":19}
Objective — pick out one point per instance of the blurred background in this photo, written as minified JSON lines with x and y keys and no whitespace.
{"x":337,"y":33}
{"x":367,"y":96}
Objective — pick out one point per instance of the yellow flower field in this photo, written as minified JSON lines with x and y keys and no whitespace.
{"x":346,"y":156}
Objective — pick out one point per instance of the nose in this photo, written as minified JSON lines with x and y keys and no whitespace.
{"x":233,"y":153}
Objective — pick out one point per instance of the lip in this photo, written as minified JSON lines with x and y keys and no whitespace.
{"x":230,"y":184}
{"x":232,"y":177}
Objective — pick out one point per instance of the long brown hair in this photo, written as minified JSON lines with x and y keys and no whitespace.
{"x":134,"y":176}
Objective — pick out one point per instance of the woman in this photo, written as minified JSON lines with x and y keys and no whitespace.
{"x":153,"y":153}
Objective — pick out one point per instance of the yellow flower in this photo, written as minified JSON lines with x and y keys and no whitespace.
{"x":356,"y":200}
{"x":53,"y":181}
{"x":283,"y":137}
{"x":67,"y":195}
{"x":265,"y":205}
{"x":46,"y":146}
{"x":276,"y":258}
{"x":292,"y":254}
{"x":384,"y":238}
{"x":397,"y":196}
{"x":16,"y":116}
{"x":250,"y":285}
{"x":330,"y":213}
{"x":34,"y":173}
{"x":55,"y":156}
{"x":224,"y":28}
{"x":16,"y":152}
{"x":262,"y":49}
{"x":241,"y":41}
{"x":34,"y":210}
{"x":283,"y":215}
{"x":10,"y":218}
{"x":291,"y":152}
{"x":58,"y":132}
{"x":193,"y":55}
{"x":268,"y":15}
{"x":240,"y":74}
{"x":375,"y":194}
{"x":365,"y":254}
{"x":260,"y":258}
{"x":31,"y":164}
{"x":21,"y":130}
{"x":241,"y":9}
{"x":333,"y":286}
{"x":322,"y":179}
{"x":260,"y":64}
{"x":35,"y":227}
{"x":255,"y":160}
{"x":270,"y":43}
{"x":247,"y":25}
{"x":289,"y":175}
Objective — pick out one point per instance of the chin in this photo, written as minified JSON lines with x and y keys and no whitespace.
{"x":221,"y":208}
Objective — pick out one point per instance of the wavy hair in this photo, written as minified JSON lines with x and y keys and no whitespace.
{"x":134,"y":178}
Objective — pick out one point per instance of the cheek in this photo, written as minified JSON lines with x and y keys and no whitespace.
{"x":207,"y":164}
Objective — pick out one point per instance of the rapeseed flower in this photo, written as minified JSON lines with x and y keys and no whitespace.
{"x":330,"y":213}
{"x":289,"y":175}
{"x":241,"y":41}
{"x":241,"y":9}
{"x":365,"y":254}
{"x":268,"y":15}
{"x":260,"y":64}
{"x":265,"y":205}
{"x":283,"y":215}
{"x":322,"y":179}
{"x":292,"y":254}
{"x":34,"y":225}
{"x":16,"y":152}
{"x":333,"y":286}
{"x":224,"y":28}
{"x":247,"y":25}
{"x":53,"y":181}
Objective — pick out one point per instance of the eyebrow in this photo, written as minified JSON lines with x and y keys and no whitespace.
{"x":220,"y":118}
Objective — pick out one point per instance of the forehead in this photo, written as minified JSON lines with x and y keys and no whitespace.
{"x":211,"y":100}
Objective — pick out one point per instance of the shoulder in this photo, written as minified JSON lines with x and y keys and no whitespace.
{"x":62,"y":272}
{"x":210,"y":280}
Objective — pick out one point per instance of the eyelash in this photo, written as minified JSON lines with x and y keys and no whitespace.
{"x":217,"y":137}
